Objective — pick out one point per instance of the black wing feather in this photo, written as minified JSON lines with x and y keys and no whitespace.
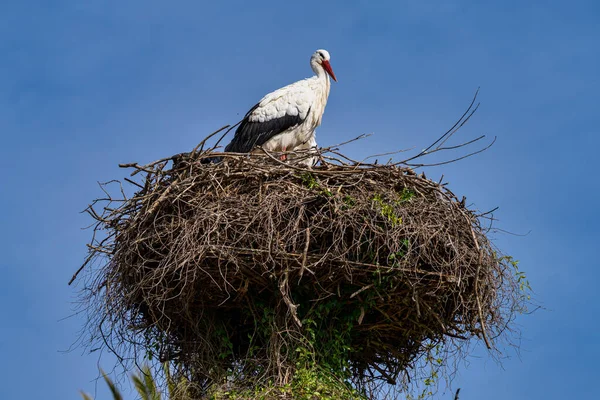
{"x":253,"y":133}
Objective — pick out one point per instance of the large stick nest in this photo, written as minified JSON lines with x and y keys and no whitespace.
{"x":235,"y":266}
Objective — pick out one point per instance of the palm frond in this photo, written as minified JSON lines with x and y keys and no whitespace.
{"x":111,"y":385}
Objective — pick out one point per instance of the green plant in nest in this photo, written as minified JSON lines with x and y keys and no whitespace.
{"x":307,"y":384}
{"x":310,"y":182}
{"x":521,"y":278}
{"x":406,"y":195}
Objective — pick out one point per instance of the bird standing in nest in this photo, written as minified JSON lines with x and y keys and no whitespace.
{"x":286,"y":119}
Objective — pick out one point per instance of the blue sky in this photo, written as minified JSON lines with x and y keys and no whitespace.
{"x":87,"y":85}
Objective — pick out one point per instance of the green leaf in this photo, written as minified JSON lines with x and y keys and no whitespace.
{"x":140,"y":387}
{"x":111,"y":385}
{"x":85,"y":396}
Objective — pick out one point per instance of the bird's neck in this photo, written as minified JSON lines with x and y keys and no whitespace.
{"x":326,"y":84}
{"x":319,"y":71}
{"x":322,"y":78}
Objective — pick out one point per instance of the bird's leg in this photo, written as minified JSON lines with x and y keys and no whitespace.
{"x":283,"y":157}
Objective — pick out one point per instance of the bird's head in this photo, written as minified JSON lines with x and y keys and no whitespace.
{"x":321,"y":57}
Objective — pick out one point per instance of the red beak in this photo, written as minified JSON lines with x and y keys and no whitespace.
{"x":327,"y":68}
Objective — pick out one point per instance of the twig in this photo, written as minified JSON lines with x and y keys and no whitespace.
{"x":283,"y":288}
{"x":85,"y":263}
{"x":305,"y":253}
{"x":481,"y":319}
{"x":359,"y":291}
{"x":162,"y":197}
{"x":200,"y":145}
{"x":450,"y":131}
{"x":453,"y":160}
{"x":133,"y":182}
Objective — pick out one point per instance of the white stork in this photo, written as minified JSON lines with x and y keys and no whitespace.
{"x":286,"y":119}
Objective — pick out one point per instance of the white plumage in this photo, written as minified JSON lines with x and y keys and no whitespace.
{"x":286,"y":119}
